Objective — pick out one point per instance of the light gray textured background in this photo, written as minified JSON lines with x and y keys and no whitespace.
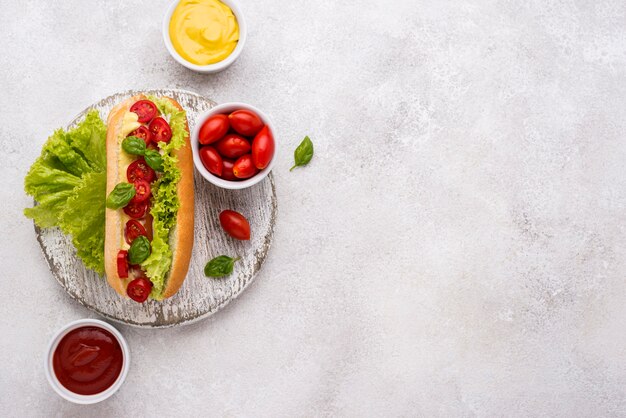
{"x":456,"y":247}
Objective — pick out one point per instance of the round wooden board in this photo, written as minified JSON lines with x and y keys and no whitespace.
{"x":199,"y":297}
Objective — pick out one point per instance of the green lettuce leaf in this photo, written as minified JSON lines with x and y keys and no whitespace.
{"x":68,"y":181}
{"x":165,"y":201}
{"x":84,"y":218}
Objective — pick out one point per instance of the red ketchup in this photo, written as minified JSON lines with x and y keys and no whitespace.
{"x":88,"y":360}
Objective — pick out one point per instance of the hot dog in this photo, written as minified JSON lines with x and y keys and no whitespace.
{"x":150,"y":198}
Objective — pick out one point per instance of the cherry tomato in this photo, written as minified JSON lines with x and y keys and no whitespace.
{"x":145,"y":110}
{"x":213,"y":129}
{"x":122,"y":264}
{"x":235,"y":225}
{"x":211,"y":160}
{"x":263,"y":148}
{"x":140,"y":170}
{"x":143,"y":133}
{"x":133,"y":230}
{"x":139,"y":289}
{"x":136,"y":210}
{"x":245,"y":122}
{"x":142,"y":191}
{"x":232,"y":146}
{"x":244,"y":168}
{"x":160,"y":130}
{"x":227,"y":170}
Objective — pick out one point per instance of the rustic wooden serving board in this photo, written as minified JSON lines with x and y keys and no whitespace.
{"x":199,"y":297}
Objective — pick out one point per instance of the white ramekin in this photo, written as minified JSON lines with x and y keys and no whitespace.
{"x":75,"y":397}
{"x":227,"y":108}
{"x":210,"y":68}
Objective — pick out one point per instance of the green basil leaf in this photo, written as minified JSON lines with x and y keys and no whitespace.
{"x":139,"y":250}
{"x":303,"y":154}
{"x":120,"y":196}
{"x":154,"y":159}
{"x":220,"y":266}
{"x":134,"y":145}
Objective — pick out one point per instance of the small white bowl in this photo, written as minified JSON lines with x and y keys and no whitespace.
{"x":210,"y":68}
{"x":75,"y":397}
{"x":226,"y":108}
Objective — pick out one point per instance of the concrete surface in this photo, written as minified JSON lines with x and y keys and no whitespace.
{"x":455,"y":248}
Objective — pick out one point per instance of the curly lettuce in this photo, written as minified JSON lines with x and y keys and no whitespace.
{"x":68,"y":182}
{"x":165,"y":202}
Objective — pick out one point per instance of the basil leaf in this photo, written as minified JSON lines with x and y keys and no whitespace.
{"x":220,"y":266}
{"x":134,"y":146}
{"x":139,"y":250}
{"x":303,"y":154}
{"x":154,"y":159}
{"x":120,"y":196}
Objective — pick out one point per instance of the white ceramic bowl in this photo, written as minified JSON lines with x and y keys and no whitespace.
{"x":75,"y":397}
{"x":226,"y":108}
{"x":210,"y":68}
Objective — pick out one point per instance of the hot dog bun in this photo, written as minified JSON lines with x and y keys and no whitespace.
{"x":181,"y":236}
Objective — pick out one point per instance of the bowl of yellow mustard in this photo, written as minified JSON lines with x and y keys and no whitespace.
{"x":204,"y":35}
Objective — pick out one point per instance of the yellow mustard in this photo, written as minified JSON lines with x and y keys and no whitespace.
{"x":129,"y":123}
{"x":203,"y":31}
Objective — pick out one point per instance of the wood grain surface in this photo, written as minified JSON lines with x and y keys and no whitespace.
{"x":199,"y":297}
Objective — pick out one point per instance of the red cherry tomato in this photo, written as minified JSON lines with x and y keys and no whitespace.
{"x":263,"y":148}
{"x":160,"y":130}
{"x":142,"y":191}
{"x":232,"y":146}
{"x":143,"y":133}
{"x":122,"y":264}
{"x":139,"y":289}
{"x":235,"y":225}
{"x":211,"y":160}
{"x":227,"y":170}
{"x":136,"y":210}
{"x":145,"y":110}
{"x":213,"y":129}
{"x":245,"y":122}
{"x":132,"y":230}
{"x":244,"y":168}
{"x":140,"y":170}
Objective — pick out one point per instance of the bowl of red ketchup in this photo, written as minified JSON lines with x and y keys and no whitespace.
{"x":87,"y":361}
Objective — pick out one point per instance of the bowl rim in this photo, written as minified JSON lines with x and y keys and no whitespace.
{"x":195,"y":146}
{"x":62,"y":390}
{"x":209,"y":68}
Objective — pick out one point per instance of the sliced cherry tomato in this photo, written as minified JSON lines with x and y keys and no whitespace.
{"x":122,"y":264}
{"x":140,"y":170}
{"x":142,"y":191}
{"x":227,"y":170}
{"x":244,"y":168}
{"x":245,"y":122}
{"x":143,"y":133}
{"x":211,"y":160}
{"x":136,"y":210}
{"x":233,"y":146}
{"x":263,"y":148}
{"x":132,"y":230}
{"x":235,"y":225}
{"x":145,"y":109}
{"x":213,"y":129}
{"x":160,"y":129}
{"x":139,"y":289}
